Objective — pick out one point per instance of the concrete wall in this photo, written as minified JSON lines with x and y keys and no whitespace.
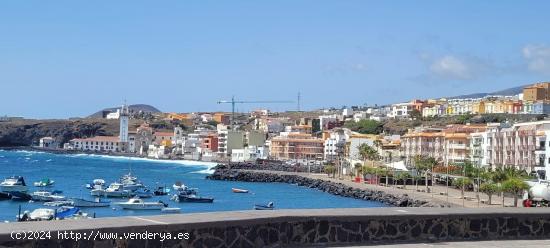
{"x":300,"y":227}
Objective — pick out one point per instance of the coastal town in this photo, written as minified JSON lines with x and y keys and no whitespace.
{"x":481,"y":140}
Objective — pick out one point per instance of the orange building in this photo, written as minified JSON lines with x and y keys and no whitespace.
{"x":297,"y":146}
{"x":537,"y":92}
{"x":223,"y":118}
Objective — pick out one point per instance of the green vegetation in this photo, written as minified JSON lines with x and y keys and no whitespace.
{"x":365,"y":126}
{"x":330,"y":169}
{"x":462,"y":183}
{"x":403,"y":176}
{"x":514,"y":186}
{"x":489,"y":189}
{"x":423,"y":164}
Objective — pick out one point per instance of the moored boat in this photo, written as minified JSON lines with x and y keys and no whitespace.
{"x":46,"y":196}
{"x":5,"y":196}
{"x":193,"y":199}
{"x":45,"y":182}
{"x":139,"y":204}
{"x":116,"y":190}
{"x":171,"y":210}
{"x":13,"y":184}
{"x":268,"y":206}
{"x":20,"y":196}
{"x":235,"y":190}
{"x":37,"y":215}
{"x":79,"y":202}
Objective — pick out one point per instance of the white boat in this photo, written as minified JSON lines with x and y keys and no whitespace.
{"x":13,"y":184}
{"x":95,"y":184}
{"x":46,"y":182}
{"x":139,"y":204}
{"x":171,"y":210}
{"x":47,"y":196}
{"x":37,"y":214}
{"x":130,"y":182}
{"x":78,"y":202}
{"x":116,"y":190}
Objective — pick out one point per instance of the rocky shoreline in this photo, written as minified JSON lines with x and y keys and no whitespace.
{"x":326,"y":186}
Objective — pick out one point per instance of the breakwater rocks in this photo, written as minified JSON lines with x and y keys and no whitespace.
{"x":273,"y":165}
{"x":326,"y":186}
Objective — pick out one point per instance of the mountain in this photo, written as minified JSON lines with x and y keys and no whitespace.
{"x":132,"y":108}
{"x":505,"y":92}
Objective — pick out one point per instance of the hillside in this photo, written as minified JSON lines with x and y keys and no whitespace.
{"x":135,"y":108}
{"x":504,"y":92}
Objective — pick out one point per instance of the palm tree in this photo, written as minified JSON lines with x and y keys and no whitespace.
{"x":368,"y":153}
{"x":515,"y":186}
{"x":424,"y":164}
{"x":489,"y":189}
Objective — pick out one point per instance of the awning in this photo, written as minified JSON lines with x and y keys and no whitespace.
{"x":397,"y":165}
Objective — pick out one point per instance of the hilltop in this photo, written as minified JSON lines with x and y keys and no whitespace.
{"x":135,"y":108}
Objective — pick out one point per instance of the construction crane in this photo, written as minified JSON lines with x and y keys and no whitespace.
{"x":233,"y":102}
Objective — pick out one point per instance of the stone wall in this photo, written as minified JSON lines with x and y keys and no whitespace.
{"x":300,"y":227}
{"x":326,"y":186}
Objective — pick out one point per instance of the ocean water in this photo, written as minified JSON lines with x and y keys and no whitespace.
{"x":72,"y":172}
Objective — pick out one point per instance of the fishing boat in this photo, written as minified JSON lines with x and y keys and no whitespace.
{"x":161,"y":191}
{"x":79,"y":202}
{"x":116,"y":190}
{"x":130,"y":182}
{"x":96,"y":183}
{"x":46,"y":196}
{"x":20,"y":196}
{"x":138,"y":204}
{"x":235,"y":190}
{"x":45,"y":182}
{"x":269,"y":206}
{"x":13,"y":184}
{"x":193,"y":199}
{"x":181,"y":188}
{"x":99,"y":191}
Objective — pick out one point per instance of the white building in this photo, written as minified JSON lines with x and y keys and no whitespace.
{"x":400,"y":110}
{"x":113,"y":115}
{"x":124,"y":117}
{"x":47,"y":142}
{"x":337,"y":139}
{"x":97,"y":144}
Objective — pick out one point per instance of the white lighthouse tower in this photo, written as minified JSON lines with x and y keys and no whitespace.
{"x":124,"y":116}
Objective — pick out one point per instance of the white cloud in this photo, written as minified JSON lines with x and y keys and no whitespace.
{"x":451,"y":67}
{"x":538,"y":58}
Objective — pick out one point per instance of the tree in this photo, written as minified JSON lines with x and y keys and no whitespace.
{"x":423,"y":164}
{"x":415,"y":114}
{"x":365,"y":126}
{"x":514,"y":186}
{"x":330,"y":169}
{"x":358,"y":167}
{"x":489,"y":189}
{"x":368,"y":153}
{"x":368,"y":170}
{"x":403,"y":176}
{"x":462,"y":183}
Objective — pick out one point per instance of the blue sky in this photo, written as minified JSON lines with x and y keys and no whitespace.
{"x":61,"y":59}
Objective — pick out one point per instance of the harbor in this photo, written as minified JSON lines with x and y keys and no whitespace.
{"x":69,"y":175}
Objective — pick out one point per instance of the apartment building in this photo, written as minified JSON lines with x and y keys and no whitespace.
{"x":296,"y":146}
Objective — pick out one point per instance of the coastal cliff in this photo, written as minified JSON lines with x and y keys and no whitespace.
{"x":326,"y":186}
{"x":29,"y":132}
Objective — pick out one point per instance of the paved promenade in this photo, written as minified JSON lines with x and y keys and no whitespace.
{"x":438,"y":194}
{"x":470,"y":244}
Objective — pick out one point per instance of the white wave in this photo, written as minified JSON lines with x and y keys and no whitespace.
{"x":49,"y":160}
{"x":209,"y":165}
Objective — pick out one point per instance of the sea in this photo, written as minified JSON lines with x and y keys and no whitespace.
{"x":71,"y":172}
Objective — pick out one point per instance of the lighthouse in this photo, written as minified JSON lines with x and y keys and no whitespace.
{"x":124,"y":116}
